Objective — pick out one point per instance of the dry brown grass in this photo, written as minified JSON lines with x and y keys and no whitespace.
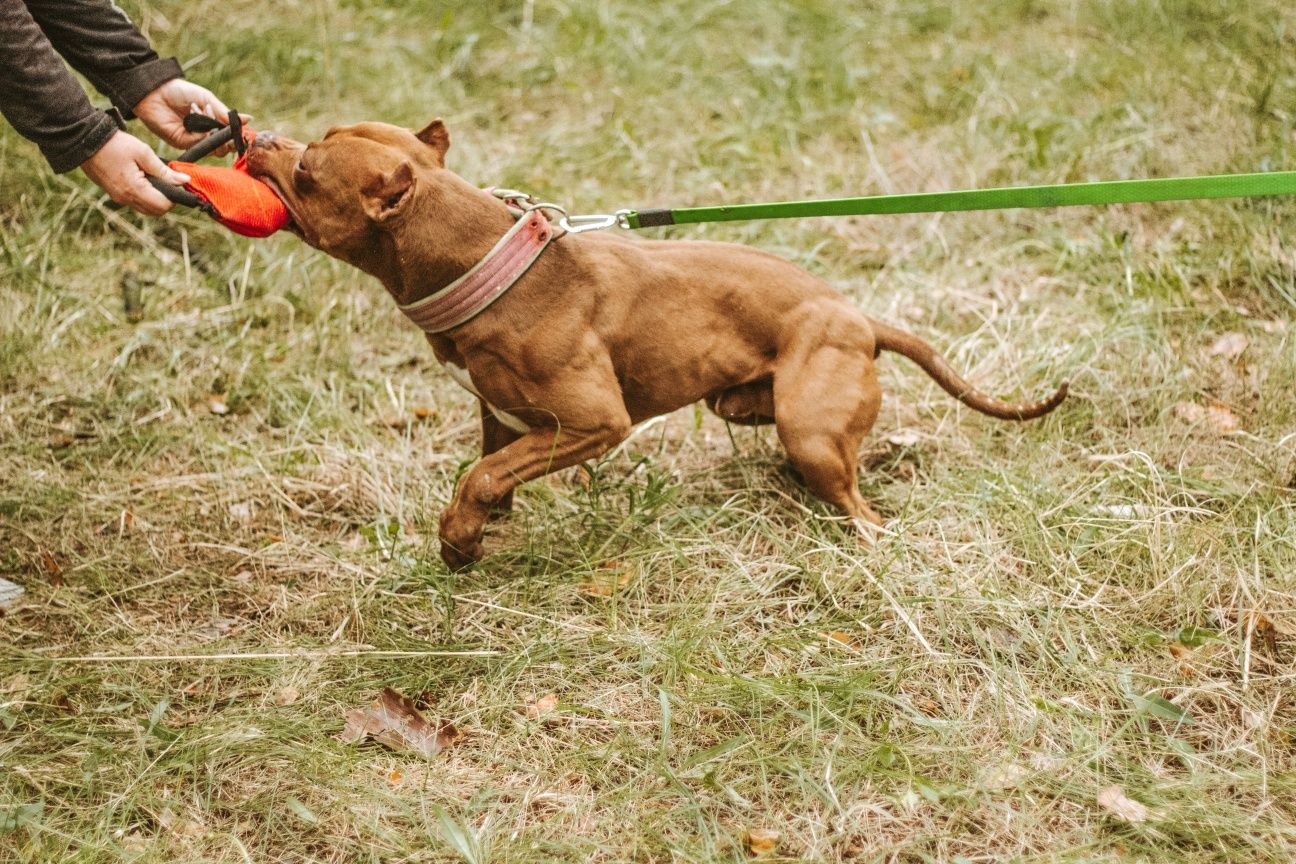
{"x":1103,"y":598}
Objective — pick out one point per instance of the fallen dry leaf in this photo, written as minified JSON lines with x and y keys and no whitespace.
{"x":1190,"y":412}
{"x":402,"y":422}
{"x":1229,"y":345}
{"x":841,"y":638}
{"x":1252,"y":719}
{"x":1114,"y":801}
{"x":1281,"y":626}
{"x":762,"y":842}
{"x":17,"y":684}
{"x":286,"y":696}
{"x":1186,"y":658}
{"x":542,"y":706}
{"x":903,"y":438}
{"x":393,"y":720}
{"x":53,"y":570}
{"x":1267,"y":628}
{"x":1221,"y":418}
{"x":394,"y":776}
{"x":606,"y":583}
{"x":216,"y":628}
{"x":997,"y":778}
{"x":180,"y":825}
{"x":1216,"y":416}
{"x":928,"y":706}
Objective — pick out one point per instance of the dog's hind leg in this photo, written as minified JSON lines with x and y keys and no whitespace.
{"x":826,"y":399}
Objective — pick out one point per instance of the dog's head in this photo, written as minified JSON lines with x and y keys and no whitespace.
{"x":352,"y":186}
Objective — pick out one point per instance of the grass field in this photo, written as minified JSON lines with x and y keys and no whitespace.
{"x":1106,"y":598}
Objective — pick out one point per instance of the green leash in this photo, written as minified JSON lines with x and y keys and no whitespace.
{"x":1059,"y":195}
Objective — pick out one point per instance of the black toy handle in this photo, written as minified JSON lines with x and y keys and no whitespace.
{"x":177,"y":194}
{"x":219,"y":138}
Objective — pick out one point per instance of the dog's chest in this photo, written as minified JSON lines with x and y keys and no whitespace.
{"x":461,"y":376}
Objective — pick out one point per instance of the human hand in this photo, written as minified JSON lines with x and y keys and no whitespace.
{"x":163,"y":111}
{"x":121,"y":168}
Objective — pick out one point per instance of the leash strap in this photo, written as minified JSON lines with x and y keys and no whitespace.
{"x":1059,"y":195}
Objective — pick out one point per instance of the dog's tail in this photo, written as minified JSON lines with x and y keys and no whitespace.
{"x":892,"y":339}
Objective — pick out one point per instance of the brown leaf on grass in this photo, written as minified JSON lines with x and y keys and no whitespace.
{"x":542,"y":706}
{"x":1186,"y":658}
{"x":608,"y":580}
{"x":840,"y":638}
{"x":1221,"y":418}
{"x":15,"y":689}
{"x":180,"y":825}
{"x":1267,"y":628}
{"x":904,"y":438}
{"x":402,"y":422}
{"x":393,"y":720}
{"x":1229,"y":345}
{"x":928,"y":706}
{"x":53,"y":570}
{"x":1216,"y":416}
{"x":286,"y":696}
{"x":761,"y":842}
{"x":1126,"y":809}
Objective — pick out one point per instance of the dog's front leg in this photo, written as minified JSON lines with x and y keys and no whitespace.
{"x":541,"y":451}
{"x":496,"y":436}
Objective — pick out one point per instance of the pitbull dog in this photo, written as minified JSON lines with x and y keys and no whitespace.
{"x":601,"y":332}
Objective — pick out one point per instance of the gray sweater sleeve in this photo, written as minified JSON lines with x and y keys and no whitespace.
{"x":103,"y":45}
{"x":41,"y":98}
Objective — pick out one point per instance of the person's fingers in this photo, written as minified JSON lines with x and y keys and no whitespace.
{"x":148,"y":201}
{"x":141,"y":197}
{"x":215,"y":108}
{"x":149,"y":163}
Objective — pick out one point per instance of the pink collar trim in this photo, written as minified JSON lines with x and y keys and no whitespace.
{"x":470,"y":294}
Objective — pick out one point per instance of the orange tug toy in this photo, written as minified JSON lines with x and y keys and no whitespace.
{"x":240,"y":202}
{"x":230,"y":195}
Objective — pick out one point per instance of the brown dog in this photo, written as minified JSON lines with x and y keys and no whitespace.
{"x":602,"y":332}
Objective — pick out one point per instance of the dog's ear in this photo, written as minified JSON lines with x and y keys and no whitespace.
{"x":436,"y":136}
{"x":388,"y":194}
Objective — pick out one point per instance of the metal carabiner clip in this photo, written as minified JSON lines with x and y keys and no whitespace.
{"x":594,"y":222}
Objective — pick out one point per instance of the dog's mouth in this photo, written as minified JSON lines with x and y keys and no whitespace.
{"x":294,"y":221}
